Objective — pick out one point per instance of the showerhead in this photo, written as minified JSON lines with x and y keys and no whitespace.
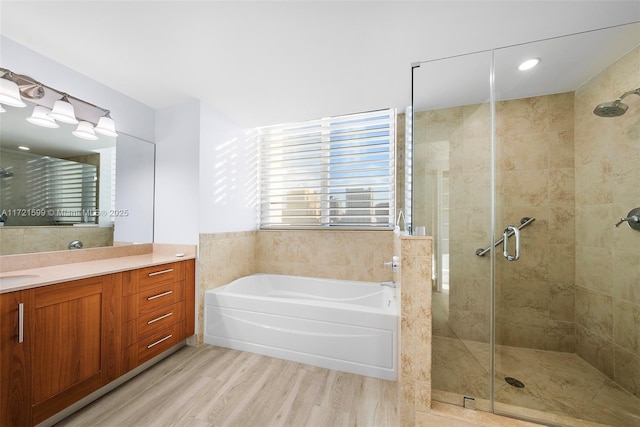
{"x":611,"y":109}
{"x":615,"y":108}
{"x":5,"y":173}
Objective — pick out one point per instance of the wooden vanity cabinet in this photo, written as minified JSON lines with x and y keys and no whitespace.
{"x":80,"y":335}
{"x":70,"y":335}
{"x":158,"y":310}
{"x":76,"y":338}
{"x":15,"y":360}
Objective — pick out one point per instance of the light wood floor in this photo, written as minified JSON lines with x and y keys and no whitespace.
{"x":213,"y":386}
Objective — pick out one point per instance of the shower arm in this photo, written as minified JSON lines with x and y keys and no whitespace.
{"x":624,"y":95}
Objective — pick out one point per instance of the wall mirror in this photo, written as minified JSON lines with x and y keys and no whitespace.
{"x":64,"y":188}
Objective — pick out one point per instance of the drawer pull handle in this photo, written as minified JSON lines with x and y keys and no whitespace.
{"x":159,"y":341}
{"x":21,"y":322}
{"x":164,"y":316}
{"x":159,"y":295}
{"x":168,"y":270}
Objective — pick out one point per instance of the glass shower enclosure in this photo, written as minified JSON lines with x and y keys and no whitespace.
{"x":536,"y":291}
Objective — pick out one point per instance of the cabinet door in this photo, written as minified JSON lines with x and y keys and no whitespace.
{"x":15,"y":385}
{"x":74,"y":333}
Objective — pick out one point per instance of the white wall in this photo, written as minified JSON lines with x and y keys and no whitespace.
{"x":228,"y":175}
{"x":177,"y":152}
{"x":205,"y":175}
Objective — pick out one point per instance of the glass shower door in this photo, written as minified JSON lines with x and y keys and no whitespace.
{"x":546,"y":327}
{"x":567,"y":346}
{"x":452,"y":201}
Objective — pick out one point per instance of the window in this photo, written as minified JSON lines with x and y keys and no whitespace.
{"x":67,"y":190}
{"x":336,"y":171}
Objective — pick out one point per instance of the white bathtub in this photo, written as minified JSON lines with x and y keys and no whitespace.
{"x":336,"y":324}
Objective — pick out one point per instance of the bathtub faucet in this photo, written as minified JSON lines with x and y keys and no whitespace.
{"x":390,"y":284}
{"x":394,"y":263}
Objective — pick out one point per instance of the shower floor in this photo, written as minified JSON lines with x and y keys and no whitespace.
{"x":559,"y":388}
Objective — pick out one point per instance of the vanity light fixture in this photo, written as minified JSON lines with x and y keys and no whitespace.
{"x":15,"y":89}
{"x":106,"y":126}
{"x":63,"y":111}
{"x":85,"y":131}
{"x":41,"y":117}
{"x":528,"y":64}
{"x":10,"y":92}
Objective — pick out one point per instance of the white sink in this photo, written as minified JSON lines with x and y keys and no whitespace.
{"x":16,"y":279}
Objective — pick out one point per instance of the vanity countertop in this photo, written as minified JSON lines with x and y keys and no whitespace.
{"x":47,"y":275}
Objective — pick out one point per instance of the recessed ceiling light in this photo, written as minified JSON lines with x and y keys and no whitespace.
{"x":22,"y":147}
{"x":529,"y":64}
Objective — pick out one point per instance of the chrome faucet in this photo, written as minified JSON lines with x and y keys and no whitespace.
{"x":75,"y":244}
{"x":394,"y":263}
{"x":390,"y":284}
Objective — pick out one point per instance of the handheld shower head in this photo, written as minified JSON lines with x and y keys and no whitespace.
{"x":615,"y":108}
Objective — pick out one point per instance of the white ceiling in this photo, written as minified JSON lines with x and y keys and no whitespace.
{"x":270,"y":62}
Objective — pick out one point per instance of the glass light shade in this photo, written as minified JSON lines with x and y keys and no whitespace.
{"x":2,"y":110}
{"x":106,"y":126}
{"x":63,"y":111}
{"x":85,"y":131}
{"x":10,"y":94}
{"x":40,"y":117}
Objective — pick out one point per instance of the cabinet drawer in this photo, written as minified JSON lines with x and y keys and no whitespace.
{"x":151,"y":277}
{"x":158,"y":342}
{"x":153,"y":299}
{"x":149,"y":324}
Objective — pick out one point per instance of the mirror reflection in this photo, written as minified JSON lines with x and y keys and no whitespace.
{"x":56,"y":188}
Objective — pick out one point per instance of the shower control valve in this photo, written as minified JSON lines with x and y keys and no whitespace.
{"x":633,"y":219}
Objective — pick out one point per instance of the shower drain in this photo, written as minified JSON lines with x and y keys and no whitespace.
{"x":514,"y":382}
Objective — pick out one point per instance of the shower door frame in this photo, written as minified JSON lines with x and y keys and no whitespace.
{"x":497,"y":207}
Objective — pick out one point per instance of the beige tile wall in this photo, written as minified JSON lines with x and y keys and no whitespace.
{"x":534,"y":165}
{"x":222,"y":258}
{"x":17,"y":240}
{"x":415,"y":327}
{"x":535,"y":178}
{"x":607,"y":173}
{"x":348,"y":255}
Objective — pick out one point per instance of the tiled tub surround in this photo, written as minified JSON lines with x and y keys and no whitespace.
{"x":18,"y":239}
{"x":415,"y":327}
{"x":346,"y":255}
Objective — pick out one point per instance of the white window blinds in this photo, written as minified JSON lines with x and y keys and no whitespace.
{"x":67,"y":190}
{"x":336,"y":171}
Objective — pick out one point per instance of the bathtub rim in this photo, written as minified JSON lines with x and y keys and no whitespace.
{"x":226,"y":290}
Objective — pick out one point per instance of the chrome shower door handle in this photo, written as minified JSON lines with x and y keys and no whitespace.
{"x":505,"y":245}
